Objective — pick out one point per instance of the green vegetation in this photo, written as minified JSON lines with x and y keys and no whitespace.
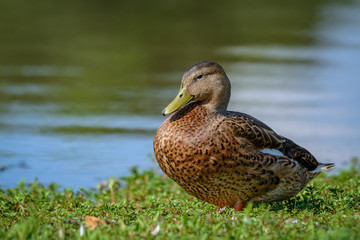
{"x":152,"y":206}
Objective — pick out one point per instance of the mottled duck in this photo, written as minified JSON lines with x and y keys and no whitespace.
{"x":218,"y":155}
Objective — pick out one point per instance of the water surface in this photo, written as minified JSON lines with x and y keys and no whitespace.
{"x":83,"y":84}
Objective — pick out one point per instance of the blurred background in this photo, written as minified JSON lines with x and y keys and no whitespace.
{"x":83,"y":83}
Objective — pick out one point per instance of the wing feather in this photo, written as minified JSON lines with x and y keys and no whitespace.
{"x":262,"y":137}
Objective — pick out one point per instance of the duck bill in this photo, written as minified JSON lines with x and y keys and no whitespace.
{"x":180,"y":100}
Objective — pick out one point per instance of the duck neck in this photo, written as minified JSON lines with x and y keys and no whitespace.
{"x":219,"y":102}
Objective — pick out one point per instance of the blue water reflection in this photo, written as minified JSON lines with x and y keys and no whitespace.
{"x":78,"y":125}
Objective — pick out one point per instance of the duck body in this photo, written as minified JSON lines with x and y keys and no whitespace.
{"x":217,"y":155}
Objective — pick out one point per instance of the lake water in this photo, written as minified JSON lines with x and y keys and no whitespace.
{"x":83,"y":84}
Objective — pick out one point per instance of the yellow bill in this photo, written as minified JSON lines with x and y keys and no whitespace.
{"x":180,"y":100}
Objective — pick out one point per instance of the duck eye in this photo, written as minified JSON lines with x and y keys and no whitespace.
{"x":199,"y":76}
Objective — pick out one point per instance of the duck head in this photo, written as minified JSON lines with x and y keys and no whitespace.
{"x":205,"y":82}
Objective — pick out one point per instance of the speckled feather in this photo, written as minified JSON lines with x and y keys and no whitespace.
{"x":217,"y":157}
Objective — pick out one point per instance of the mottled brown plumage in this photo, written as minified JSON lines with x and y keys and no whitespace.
{"x":216,"y":155}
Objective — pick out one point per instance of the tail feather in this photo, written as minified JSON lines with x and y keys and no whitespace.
{"x":323,"y":167}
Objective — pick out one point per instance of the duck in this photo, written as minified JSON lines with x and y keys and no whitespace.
{"x":223,"y":157}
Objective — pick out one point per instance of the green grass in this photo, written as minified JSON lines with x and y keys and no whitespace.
{"x":329,"y":208}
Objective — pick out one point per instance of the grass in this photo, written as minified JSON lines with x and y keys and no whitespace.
{"x":153,"y":207}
